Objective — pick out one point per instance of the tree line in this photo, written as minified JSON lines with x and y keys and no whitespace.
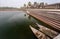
{"x":35,"y":5}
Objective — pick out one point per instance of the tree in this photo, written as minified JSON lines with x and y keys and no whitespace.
{"x":24,"y":5}
{"x":35,"y":3}
{"x":46,"y":4}
{"x":29,"y":4}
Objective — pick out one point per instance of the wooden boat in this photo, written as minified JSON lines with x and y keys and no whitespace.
{"x":57,"y":37}
{"x":38,"y":34}
{"x":47,"y":31}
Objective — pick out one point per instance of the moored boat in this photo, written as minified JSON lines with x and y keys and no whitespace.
{"x":39,"y":34}
{"x":51,"y":33}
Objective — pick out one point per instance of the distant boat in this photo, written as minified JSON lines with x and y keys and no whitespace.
{"x":38,"y":34}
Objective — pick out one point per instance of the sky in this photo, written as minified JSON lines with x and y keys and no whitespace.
{"x":19,"y":3}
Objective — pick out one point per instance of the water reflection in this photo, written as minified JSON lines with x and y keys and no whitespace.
{"x":33,"y":22}
{"x":24,"y":14}
{"x":29,"y":17}
{"x":14,"y":25}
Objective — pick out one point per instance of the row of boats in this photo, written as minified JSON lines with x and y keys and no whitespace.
{"x":44,"y":33}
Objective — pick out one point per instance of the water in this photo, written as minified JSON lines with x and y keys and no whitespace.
{"x":15,"y":25}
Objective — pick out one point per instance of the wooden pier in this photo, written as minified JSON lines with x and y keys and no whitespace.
{"x":50,"y":17}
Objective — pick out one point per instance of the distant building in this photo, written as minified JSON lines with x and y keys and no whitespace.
{"x":43,"y":5}
{"x":53,"y":6}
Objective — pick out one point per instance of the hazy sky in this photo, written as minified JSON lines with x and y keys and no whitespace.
{"x":19,"y":3}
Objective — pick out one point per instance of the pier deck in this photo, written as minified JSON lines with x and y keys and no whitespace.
{"x":50,"y":17}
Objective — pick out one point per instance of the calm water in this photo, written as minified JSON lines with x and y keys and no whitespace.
{"x":15,"y":25}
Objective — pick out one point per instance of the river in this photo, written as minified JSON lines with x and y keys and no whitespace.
{"x":15,"y":25}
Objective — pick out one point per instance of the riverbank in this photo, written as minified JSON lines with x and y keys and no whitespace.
{"x":9,"y":9}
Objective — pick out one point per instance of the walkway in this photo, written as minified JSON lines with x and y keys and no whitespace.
{"x":49,"y":17}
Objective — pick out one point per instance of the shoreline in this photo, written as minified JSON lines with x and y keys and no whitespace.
{"x":30,"y":9}
{"x":11,"y":10}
